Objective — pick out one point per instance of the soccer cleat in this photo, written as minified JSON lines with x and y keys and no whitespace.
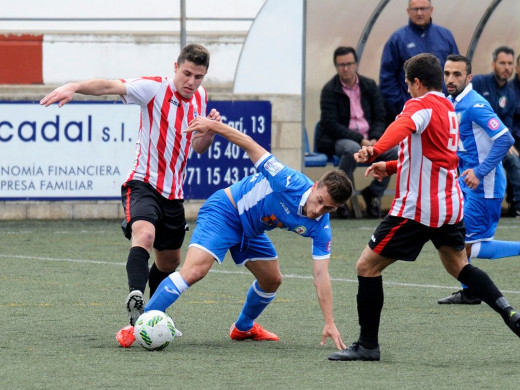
{"x":461,"y":297}
{"x":357,"y":352}
{"x":134,"y":306}
{"x":257,"y":333}
{"x":513,"y":321}
{"x":126,"y":336}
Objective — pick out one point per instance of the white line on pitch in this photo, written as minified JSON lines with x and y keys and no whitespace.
{"x":217,"y":271}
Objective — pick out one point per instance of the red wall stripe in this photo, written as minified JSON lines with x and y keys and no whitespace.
{"x":21,"y":59}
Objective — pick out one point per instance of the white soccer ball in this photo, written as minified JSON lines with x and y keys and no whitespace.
{"x":154,"y":330}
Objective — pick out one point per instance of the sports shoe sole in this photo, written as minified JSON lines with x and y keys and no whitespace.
{"x":134,"y":306}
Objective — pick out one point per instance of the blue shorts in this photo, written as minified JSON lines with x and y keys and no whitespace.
{"x":219,"y":228}
{"x":481,"y":217}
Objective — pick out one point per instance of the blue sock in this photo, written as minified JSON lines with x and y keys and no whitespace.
{"x":167,"y":293}
{"x":256,"y":301}
{"x":497,"y":249}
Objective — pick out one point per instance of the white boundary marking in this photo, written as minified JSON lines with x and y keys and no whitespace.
{"x":288,"y":276}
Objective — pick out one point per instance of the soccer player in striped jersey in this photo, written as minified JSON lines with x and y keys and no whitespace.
{"x":428,"y":205}
{"x":484,"y":141}
{"x":236,"y":218}
{"x":152,"y":194}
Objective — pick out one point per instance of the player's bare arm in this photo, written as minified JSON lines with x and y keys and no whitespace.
{"x":324,"y":291}
{"x":94,"y":87}
{"x":201,"y":144}
{"x":203,"y":125}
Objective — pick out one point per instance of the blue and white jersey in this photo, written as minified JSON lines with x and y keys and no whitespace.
{"x":274,"y":198}
{"x":479,"y":129}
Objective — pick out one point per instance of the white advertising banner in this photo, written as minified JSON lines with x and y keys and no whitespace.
{"x":83,"y":150}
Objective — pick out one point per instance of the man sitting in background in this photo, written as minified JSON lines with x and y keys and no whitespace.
{"x":352,"y":116}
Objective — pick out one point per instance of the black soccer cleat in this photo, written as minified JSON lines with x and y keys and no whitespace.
{"x":512,"y":319}
{"x":461,"y":297}
{"x":357,"y":352}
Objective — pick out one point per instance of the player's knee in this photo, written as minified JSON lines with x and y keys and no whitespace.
{"x":144,"y":239}
{"x":167,"y":263}
{"x":169,"y":267}
{"x":271,"y":283}
{"x":194,"y":274}
{"x":363,"y":268}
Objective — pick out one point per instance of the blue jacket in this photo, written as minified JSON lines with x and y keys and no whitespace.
{"x":502,"y":99}
{"x":515,"y":86}
{"x":405,"y":43}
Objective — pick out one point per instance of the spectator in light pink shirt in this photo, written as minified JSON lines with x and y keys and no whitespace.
{"x":352,"y":116}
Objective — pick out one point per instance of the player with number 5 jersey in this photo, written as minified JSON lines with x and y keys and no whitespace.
{"x":428,"y":205}
{"x":426,"y":189}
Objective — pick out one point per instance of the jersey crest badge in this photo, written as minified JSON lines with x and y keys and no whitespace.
{"x":502,"y":102}
{"x":301,"y":230}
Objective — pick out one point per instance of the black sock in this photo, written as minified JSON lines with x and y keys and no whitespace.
{"x":137,"y":268}
{"x":481,"y":285}
{"x":370,"y":299}
{"x":155,"y":278}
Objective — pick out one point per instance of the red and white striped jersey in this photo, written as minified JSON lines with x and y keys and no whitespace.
{"x":427,"y":189}
{"x":162,"y":149}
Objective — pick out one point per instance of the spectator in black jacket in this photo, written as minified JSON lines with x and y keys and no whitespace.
{"x":352,"y":116}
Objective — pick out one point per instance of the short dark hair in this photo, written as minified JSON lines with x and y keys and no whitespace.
{"x":342,"y":50}
{"x":425,"y":67}
{"x":502,"y":49}
{"x":197,"y":54}
{"x":338,"y":185}
{"x":460,"y":58}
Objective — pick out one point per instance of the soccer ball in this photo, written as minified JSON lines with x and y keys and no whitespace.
{"x":154,"y":330}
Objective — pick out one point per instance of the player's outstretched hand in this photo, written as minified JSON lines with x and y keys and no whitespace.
{"x":214,"y":115}
{"x":364,"y":154}
{"x":377,"y":170}
{"x":200,"y":125}
{"x":332,"y":332}
{"x":61,"y":94}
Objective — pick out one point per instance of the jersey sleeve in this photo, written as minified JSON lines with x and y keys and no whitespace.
{"x":420,"y":115}
{"x":483,"y":115}
{"x":280,"y":177}
{"x":321,"y":241}
{"x":141,"y":91}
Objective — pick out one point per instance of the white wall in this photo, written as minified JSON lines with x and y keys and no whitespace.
{"x":68,"y":57}
{"x":97,"y":9}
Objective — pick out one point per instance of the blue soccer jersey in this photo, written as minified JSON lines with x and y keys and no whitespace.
{"x":274,"y":198}
{"x":479,"y":129}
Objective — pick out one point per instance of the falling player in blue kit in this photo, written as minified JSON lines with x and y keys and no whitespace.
{"x":236,"y":219}
{"x":484,"y":141}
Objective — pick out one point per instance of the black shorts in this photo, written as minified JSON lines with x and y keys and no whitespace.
{"x":142,"y":202}
{"x":403,"y":239}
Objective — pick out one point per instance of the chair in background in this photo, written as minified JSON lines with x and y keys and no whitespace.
{"x":334,"y":160}
{"x":313,"y":159}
